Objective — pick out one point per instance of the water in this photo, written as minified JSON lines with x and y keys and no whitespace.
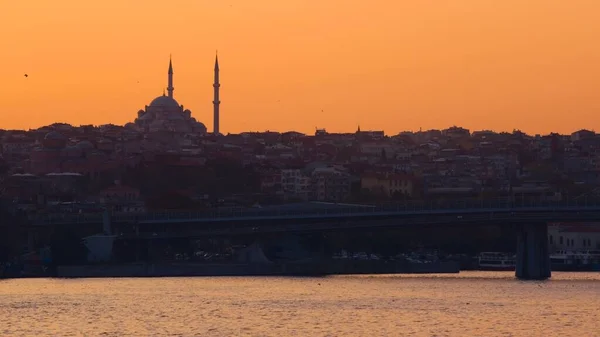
{"x":468,"y":304}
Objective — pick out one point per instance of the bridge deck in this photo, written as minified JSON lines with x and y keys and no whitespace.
{"x":332,"y":211}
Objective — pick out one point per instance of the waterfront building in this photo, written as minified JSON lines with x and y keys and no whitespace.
{"x":574,"y":236}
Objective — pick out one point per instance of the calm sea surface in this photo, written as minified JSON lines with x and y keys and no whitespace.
{"x":469,"y":304}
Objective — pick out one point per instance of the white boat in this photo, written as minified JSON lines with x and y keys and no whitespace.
{"x":590,"y":257}
{"x":563,"y":260}
{"x":496,"y":261}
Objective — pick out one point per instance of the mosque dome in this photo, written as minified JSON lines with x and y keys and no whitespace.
{"x":164,"y":101}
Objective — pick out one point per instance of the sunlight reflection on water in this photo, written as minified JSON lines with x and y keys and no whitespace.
{"x":466,"y":304}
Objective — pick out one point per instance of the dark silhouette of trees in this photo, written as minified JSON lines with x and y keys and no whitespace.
{"x":171,"y":200}
{"x":231,"y":177}
{"x":219,"y":178}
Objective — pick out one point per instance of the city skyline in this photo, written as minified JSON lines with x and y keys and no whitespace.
{"x":287,"y":67}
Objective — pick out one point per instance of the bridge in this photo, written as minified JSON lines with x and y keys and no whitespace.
{"x":529,"y":217}
{"x":464,"y":209}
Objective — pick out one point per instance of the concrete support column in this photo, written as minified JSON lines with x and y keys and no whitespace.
{"x":149,"y":251}
{"x":533,"y":259}
{"x":106,"y":225}
{"x":31,"y":240}
{"x":138,"y":250}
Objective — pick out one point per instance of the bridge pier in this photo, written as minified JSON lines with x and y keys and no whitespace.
{"x":533,"y":259}
{"x":31,"y":240}
{"x":106,"y":223}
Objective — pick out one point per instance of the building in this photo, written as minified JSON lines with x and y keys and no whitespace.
{"x":582,"y":134}
{"x":574,"y":236}
{"x":164,"y":113}
{"x":122,"y":198}
{"x":330,"y":184}
{"x":295,"y":184}
{"x":58,"y":153}
{"x":455,"y":132}
{"x":388,"y":184}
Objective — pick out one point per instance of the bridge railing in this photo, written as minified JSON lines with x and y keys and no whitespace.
{"x":467,"y":205}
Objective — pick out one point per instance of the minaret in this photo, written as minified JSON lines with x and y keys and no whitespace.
{"x":170,"y":87}
{"x":216,"y":101}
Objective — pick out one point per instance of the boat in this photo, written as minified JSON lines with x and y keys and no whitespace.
{"x":591,"y":258}
{"x":496,"y":261}
{"x":563,"y":260}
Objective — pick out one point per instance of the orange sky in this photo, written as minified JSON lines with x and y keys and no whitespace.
{"x":384,"y":64}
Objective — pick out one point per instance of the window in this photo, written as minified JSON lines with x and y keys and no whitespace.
{"x":551,"y":241}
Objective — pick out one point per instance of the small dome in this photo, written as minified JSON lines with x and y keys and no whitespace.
{"x":175,"y":116}
{"x":146,"y":116}
{"x":164,"y":101}
{"x":85,"y":145}
{"x":53,"y":135}
{"x":73,"y":149}
{"x":156,"y":124}
{"x":200,"y":127}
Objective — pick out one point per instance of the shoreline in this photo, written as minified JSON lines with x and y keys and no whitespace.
{"x":292,"y":269}
{"x":245,"y":269}
{"x":175,"y":269}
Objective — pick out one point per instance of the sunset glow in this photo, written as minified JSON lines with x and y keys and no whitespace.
{"x":297,"y":64}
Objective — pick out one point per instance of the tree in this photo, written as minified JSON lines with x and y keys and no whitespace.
{"x":399,"y":195}
{"x":169,"y":201}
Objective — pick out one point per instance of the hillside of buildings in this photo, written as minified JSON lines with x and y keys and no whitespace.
{"x":86,"y":169}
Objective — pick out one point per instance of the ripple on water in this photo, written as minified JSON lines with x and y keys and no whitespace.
{"x":468,"y":304}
